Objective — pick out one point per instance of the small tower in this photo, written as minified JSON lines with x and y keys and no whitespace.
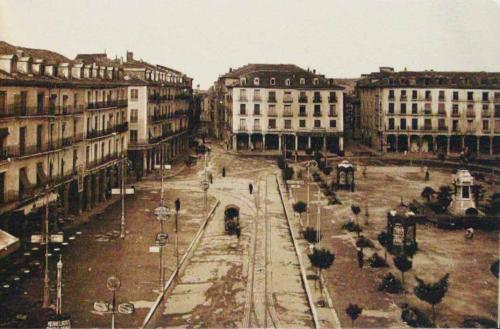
{"x":463,"y":198}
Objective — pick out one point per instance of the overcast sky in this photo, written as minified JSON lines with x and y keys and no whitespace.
{"x":205,"y":38}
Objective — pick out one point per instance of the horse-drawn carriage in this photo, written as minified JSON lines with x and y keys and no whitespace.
{"x":232,"y":219}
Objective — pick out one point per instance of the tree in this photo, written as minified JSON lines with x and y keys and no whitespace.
{"x":444,"y":197}
{"x":432,"y":293}
{"x":403,"y":264}
{"x":356,"y":210}
{"x":321,"y":259}
{"x":300,"y":207}
{"x":384,"y":239}
{"x":311,"y":235}
{"x":354,"y":311}
{"x":427,"y":193}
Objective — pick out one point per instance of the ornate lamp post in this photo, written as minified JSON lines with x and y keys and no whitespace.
{"x":113,"y":285}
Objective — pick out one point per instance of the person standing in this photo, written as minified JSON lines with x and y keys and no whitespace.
{"x":223,"y":171}
{"x":250,"y":188}
{"x":361,"y":257}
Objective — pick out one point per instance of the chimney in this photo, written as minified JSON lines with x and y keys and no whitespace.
{"x":314,"y":71}
{"x":230,"y":69}
{"x":130,"y":56}
{"x":386,"y":69}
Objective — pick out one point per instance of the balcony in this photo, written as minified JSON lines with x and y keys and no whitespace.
{"x":257,"y":128}
{"x":317,"y":99}
{"x":471,"y":114}
{"x":455,"y":113}
{"x":120,"y":128}
{"x":15,"y":151}
{"x":243,"y":98}
{"x":318,"y":128}
{"x":271,"y":128}
{"x":441,"y":98}
{"x":25,"y":111}
{"x":272,"y":114}
{"x":391,"y":98}
{"x":302,"y":114}
{"x":257,"y":98}
{"x":287,"y":113}
{"x":107,"y":158}
{"x":287,"y":99}
{"x":403,"y":98}
{"x":317,"y":113}
{"x":287,"y":127}
{"x":486,"y":113}
{"x":427,"y":127}
{"x":271,"y":99}
{"x":302,"y":99}
{"x":442,"y":113}
{"x":159,"y":117}
{"x":107,"y":104}
{"x":442,"y":128}
{"x":332,"y":99}
{"x":332,"y":113}
{"x":242,"y":128}
{"x":428,"y":98}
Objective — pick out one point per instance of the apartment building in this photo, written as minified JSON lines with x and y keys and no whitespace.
{"x":63,"y":133}
{"x":159,"y":101}
{"x":446,"y":112}
{"x":280,"y":106}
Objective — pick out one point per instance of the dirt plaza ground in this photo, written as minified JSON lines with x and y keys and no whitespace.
{"x":473,"y":290}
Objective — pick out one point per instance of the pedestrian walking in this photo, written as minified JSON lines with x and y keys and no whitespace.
{"x":211,"y":178}
{"x":250,"y":188}
{"x":427,"y":174}
{"x":223,"y":171}
{"x":361,"y":260}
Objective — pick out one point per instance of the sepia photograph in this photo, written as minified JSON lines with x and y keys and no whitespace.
{"x":249,"y":164}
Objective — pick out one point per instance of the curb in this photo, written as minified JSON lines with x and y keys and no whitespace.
{"x":299,"y":256}
{"x":188,"y":252}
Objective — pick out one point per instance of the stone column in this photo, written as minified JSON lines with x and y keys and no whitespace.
{"x":341,"y":143}
{"x":250,"y":146}
{"x":477,"y":145}
{"x":235,"y":145}
{"x":263,"y":142}
{"x":104,"y":184}
{"x":448,"y":145}
{"x":296,"y":142}
{"x":324,"y":143}
{"x":462,"y":142}
{"x":491,"y":145}
{"x":144,"y":161}
{"x":308,"y":141}
{"x":96,"y":190}
{"x":279,"y":142}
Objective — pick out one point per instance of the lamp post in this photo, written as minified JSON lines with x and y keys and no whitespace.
{"x":122,"y":188}
{"x":309,"y":163}
{"x":59,"y":286}
{"x":46,"y":241}
{"x":318,"y":221}
{"x":267,"y":247}
{"x":113,"y":285}
{"x":162,"y":214}
{"x":177,"y":209}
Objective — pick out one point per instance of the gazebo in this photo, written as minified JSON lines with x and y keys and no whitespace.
{"x":345,"y":176}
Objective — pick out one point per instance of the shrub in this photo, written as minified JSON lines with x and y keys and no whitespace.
{"x":432,"y":293}
{"x":376,"y":261}
{"x":403,"y":264}
{"x":427,"y":193}
{"x":363,"y":242}
{"x":478,"y":322}
{"x":281,"y":163}
{"x":415,"y":318}
{"x":390,"y":284}
{"x":287,"y":173}
{"x":471,"y":212}
{"x":494,"y":268}
{"x":354,"y":311}
{"x":311,"y":235}
{"x":300,"y":207}
{"x":352,"y":227}
{"x":327,"y":170}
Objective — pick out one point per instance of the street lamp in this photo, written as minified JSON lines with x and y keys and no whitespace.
{"x":268,"y":247}
{"x":309,"y":164}
{"x":162,"y":214}
{"x":113,"y":285}
{"x":46,"y":240}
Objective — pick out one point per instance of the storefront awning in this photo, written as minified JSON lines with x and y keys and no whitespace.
{"x":39,"y":203}
{"x":8,"y":243}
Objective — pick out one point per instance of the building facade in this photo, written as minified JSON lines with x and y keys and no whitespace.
{"x":441,"y":112}
{"x":159,"y":100}
{"x":278,"y":107}
{"x":63,"y":133}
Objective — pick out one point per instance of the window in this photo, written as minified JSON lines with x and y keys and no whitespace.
{"x":333,"y":123}
{"x":272,"y":81}
{"x":391,"y":108}
{"x":243,"y":124}
{"x":243,"y":81}
{"x":414,"y":94}
{"x":256,"y":95}
{"x":391,"y":94}
{"x":243,"y":109}
{"x":315,"y":81}
{"x":256,"y":81}
{"x":302,"y":81}
{"x":272,"y":96}
{"x":455,"y":95}
{"x":441,"y":109}
{"x":402,"y":124}
{"x":391,"y":123}
{"x":22,"y":140}
{"x":442,"y":124}
{"x":470,"y":95}
{"x":486,"y":96}
{"x":486,"y":125}
{"x":317,"y":123}
{"x":133,"y":135}
{"x":428,"y":95}
{"x":465,"y":192}
{"x":272,"y":124}
{"x":317,"y":110}
{"x":288,"y":124}
{"x":414,"y":124}
{"x":302,"y":123}
{"x":272,"y":110}
{"x":134,"y":94}
{"x":454,"y":125}
{"x":287,"y":82}
{"x":441,"y":95}
{"x":302,"y":111}
{"x":427,"y":124}
{"x":287,"y":110}
{"x":403,"y":108}
{"x":256,"y":124}
{"x":256,"y":109}
{"x":243,"y":94}
{"x":428,"y":108}
{"x":3,"y":99}
{"x":133,"y":115}
{"x":414,"y":108}
{"x":497,"y":95}
{"x":333,"y":110}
